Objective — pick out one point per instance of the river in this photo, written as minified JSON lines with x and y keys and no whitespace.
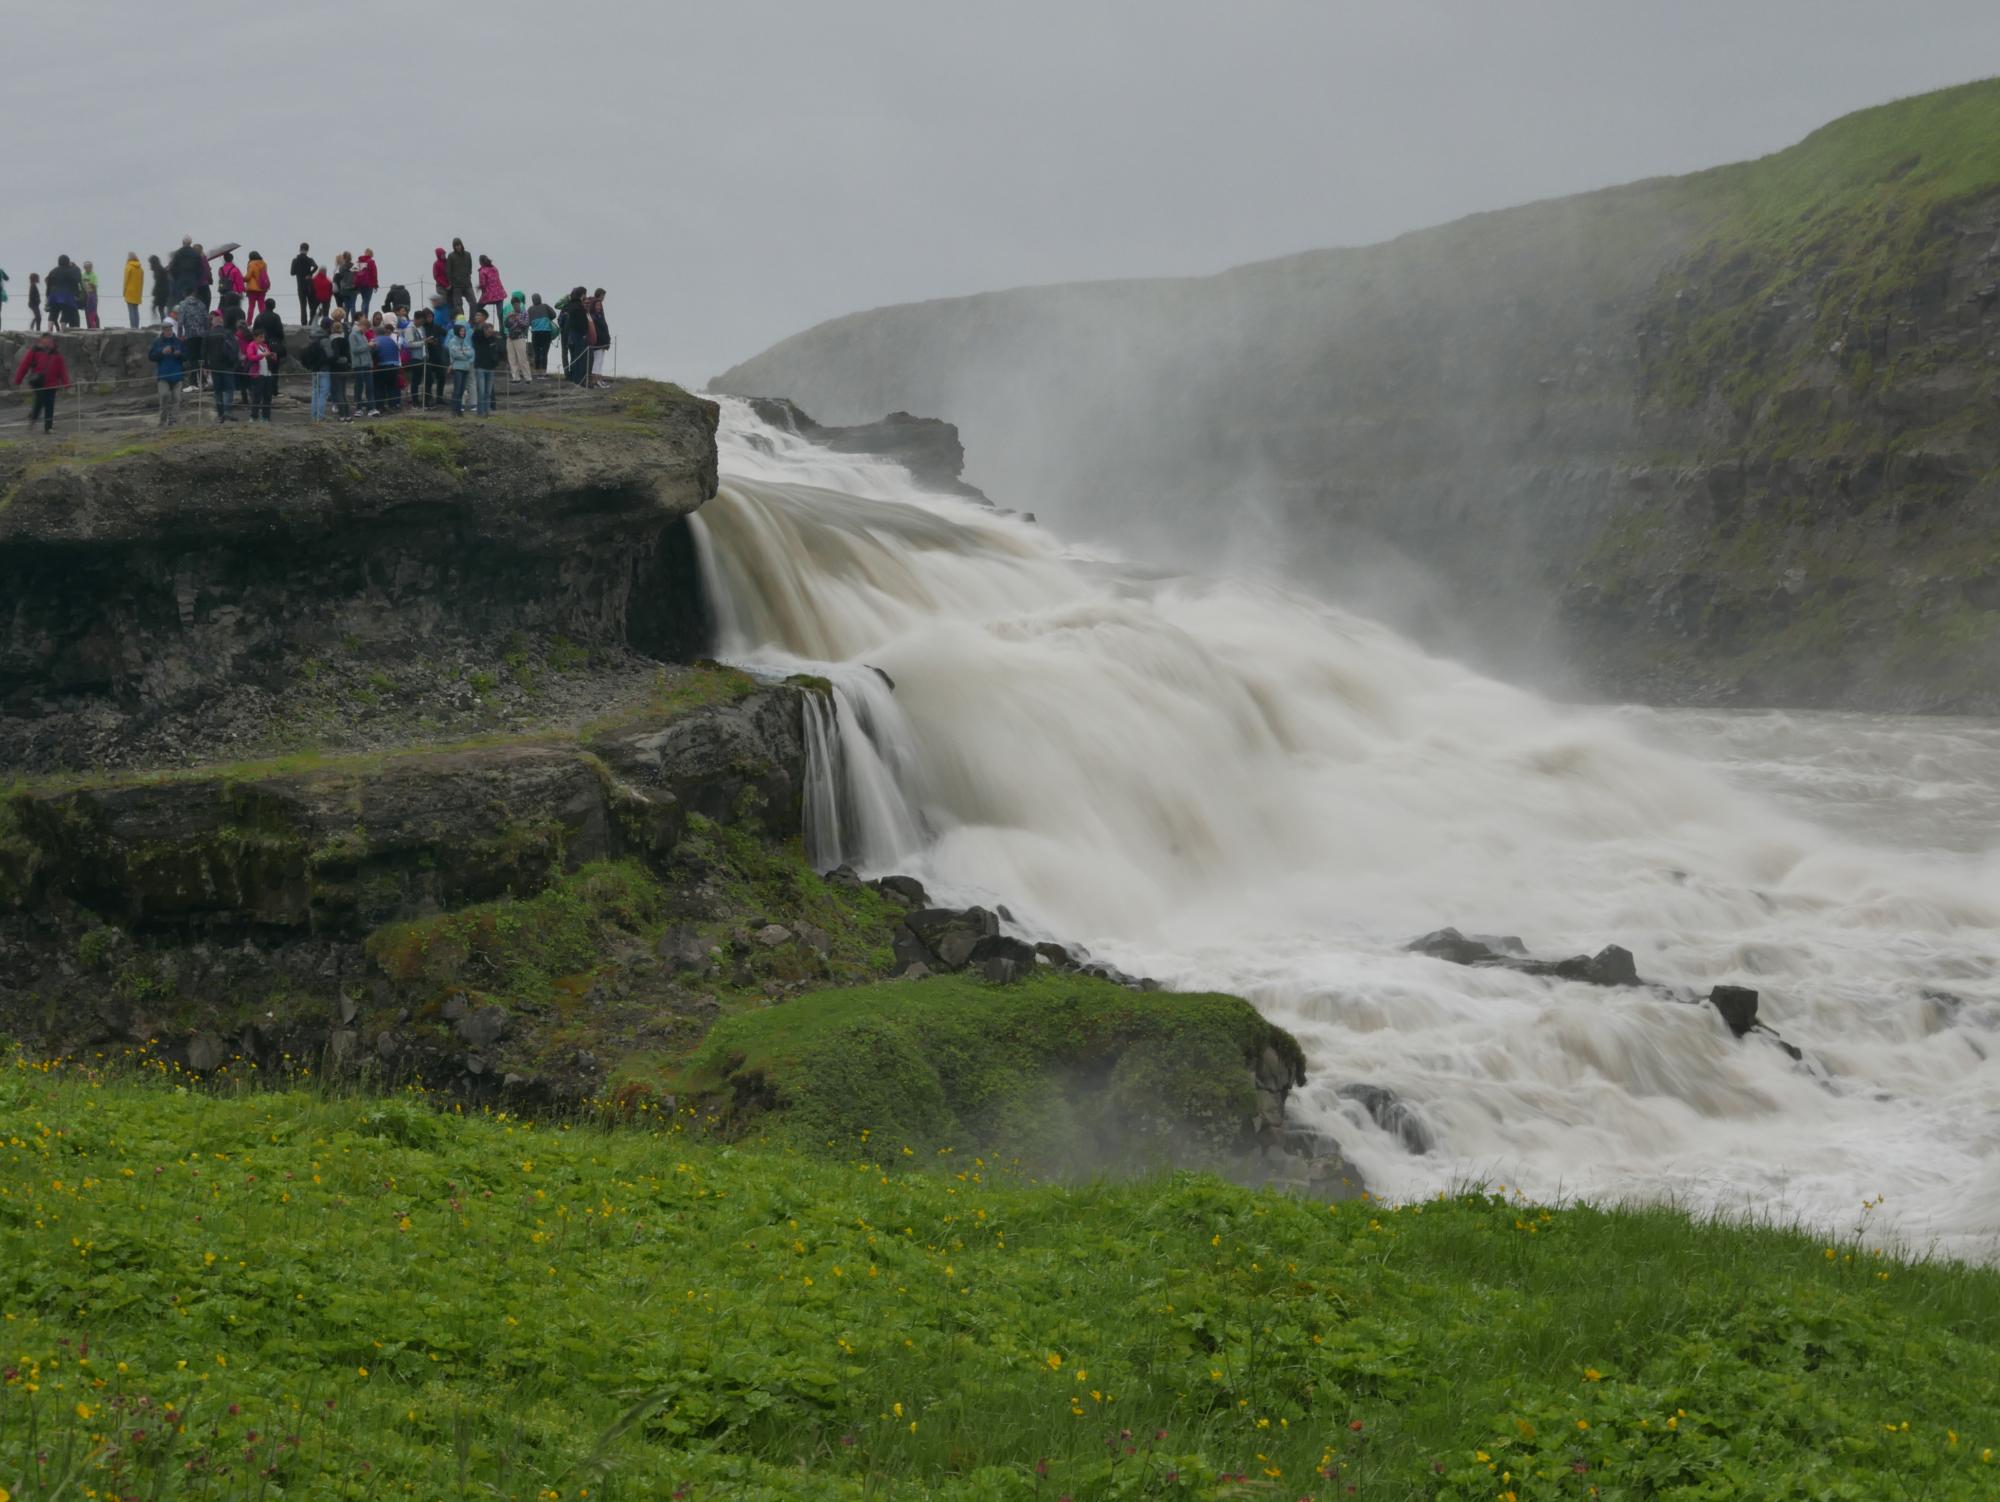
{"x":1227,"y":784}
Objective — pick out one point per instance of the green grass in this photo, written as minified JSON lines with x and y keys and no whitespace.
{"x":1847,"y":222}
{"x":294,"y":1295}
{"x":1063,"y":1072}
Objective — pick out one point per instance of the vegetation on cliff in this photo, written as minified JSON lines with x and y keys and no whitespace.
{"x":302,"y":1295}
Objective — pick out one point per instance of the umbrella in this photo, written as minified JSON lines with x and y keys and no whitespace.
{"x":212,"y":251}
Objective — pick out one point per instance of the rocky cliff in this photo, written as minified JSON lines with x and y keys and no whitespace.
{"x":1727,"y":438}
{"x":180,"y":593}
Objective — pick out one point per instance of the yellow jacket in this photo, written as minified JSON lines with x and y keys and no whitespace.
{"x":135,"y":281}
{"x":256,"y":276}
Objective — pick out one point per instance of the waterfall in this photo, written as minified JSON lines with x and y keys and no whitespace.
{"x":1232,"y":786}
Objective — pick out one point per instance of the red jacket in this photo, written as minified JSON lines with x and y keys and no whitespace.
{"x":322,"y":286}
{"x":366,"y":278}
{"x":440,"y":272}
{"x":55,"y":372}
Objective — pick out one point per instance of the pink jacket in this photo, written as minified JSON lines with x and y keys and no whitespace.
{"x":490,"y":289}
{"x":232,"y":279}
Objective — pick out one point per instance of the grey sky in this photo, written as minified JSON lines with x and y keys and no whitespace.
{"x":735,"y":172}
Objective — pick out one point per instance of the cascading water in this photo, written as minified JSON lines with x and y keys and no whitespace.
{"x":1228,"y":786}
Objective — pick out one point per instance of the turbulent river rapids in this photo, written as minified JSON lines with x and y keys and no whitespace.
{"x":1230,"y":786}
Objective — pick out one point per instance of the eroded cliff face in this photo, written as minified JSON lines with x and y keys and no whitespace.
{"x":1726,"y":438}
{"x":162,"y":586}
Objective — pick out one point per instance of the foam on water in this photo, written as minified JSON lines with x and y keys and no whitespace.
{"x":1225,"y":784}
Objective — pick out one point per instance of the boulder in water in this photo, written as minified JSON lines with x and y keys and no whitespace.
{"x":1738,"y":1006}
{"x":1392,"y":1114}
{"x":1610,"y":966}
{"x":904,"y":889}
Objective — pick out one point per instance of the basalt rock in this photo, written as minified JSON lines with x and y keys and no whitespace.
{"x":927,"y":447}
{"x":155,"y":578}
{"x":1738,"y":1006}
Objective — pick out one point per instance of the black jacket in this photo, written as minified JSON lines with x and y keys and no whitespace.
{"x":489,"y":348}
{"x":65,"y":279}
{"x":303,"y":267}
{"x":185,"y":266}
{"x":603,"y":327}
{"x":270,"y":327}
{"x":458,"y":266}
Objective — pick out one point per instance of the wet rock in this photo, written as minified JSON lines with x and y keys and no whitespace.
{"x":844,"y":877}
{"x":1002,"y":958}
{"x":772,"y":935}
{"x":1738,"y":1006}
{"x":818,"y":940}
{"x":1610,"y":966}
{"x":1453,"y":947}
{"x":904,"y":889}
{"x":910,"y":952}
{"x":1059,"y":955}
{"x":1392,"y":1114}
{"x":952,"y":933}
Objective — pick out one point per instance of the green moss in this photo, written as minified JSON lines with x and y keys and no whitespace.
{"x":1061,"y":1071}
{"x":515,"y":950}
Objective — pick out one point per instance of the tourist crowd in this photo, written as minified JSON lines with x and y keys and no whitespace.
{"x":220,"y":330}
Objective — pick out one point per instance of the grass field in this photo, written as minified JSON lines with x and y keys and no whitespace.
{"x":310,"y":1295}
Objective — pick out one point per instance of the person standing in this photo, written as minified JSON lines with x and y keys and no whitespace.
{"x":3,"y":296}
{"x":184,"y":269}
{"x":231,"y":278}
{"x":343,"y":282}
{"x":193,"y":319}
{"x":361,"y":360}
{"x":322,"y":294}
{"x":224,"y":359}
{"x":163,"y":289}
{"x":600,"y":344}
{"x":577,"y":337}
{"x":397,"y":300}
{"x":169,"y":357}
{"x":437,"y":359}
{"x":518,"y":332}
{"x":492,"y":292}
{"x":303,"y":267}
{"x":43,"y":371}
{"x":313,"y":355}
{"x":542,"y":328}
{"x":458,"y":349}
{"x":135,"y":286}
{"x":65,"y":284}
{"x":458,"y":267}
{"x":259,"y":363}
{"x":34,"y":300}
{"x":90,"y":294}
{"x":256,"y":283}
{"x":388,"y":368}
{"x":339,"y":363}
{"x":366,"y":278}
{"x":489,"y":347}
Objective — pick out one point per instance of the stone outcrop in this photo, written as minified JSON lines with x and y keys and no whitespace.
{"x":928,"y":447}
{"x":157,"y":580}
{"x":337,"y":850}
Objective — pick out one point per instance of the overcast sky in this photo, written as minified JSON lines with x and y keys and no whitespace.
{"x":733,"y":172}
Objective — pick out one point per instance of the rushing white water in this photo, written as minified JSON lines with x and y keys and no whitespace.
{"x":1229,"y":786}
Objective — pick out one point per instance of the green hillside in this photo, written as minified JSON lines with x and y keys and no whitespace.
{"x":290,"y":1295}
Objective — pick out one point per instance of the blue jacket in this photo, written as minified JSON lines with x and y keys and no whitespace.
{"x":167,"y":355}
{"x":458,"y":345}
